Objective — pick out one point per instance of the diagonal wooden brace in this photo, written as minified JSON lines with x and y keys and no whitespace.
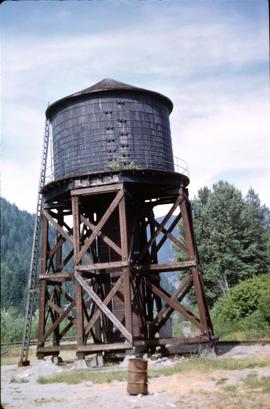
{"x":58,"y":321}
{"x":161,"y":226}
{"x":99,"y":226}
{"x":106,"y":301}
{"x":103,"y":307}
{"x":174,"y":304}
{"x":102,"y":236}
{"x":171,"y":237}
{"x":58,"y":227}
{"x":59,"y":310}
{"x":167,"y":310}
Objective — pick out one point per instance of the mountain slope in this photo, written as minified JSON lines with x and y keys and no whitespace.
{"x":16,"y":243}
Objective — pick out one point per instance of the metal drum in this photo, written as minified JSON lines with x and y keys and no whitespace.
{"x":137,"y":376}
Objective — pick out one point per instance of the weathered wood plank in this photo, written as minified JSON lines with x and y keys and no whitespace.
{"x":105,"y":347}
{"x":102,"y":266}
{"x":78,"y":289}
{"x":57,"y":277}
{"x":97,"y":189}
{"x":185,"y":209}
{"x":57,"y":348}
{"x":172,"y":341}
{"x":178,"y":265}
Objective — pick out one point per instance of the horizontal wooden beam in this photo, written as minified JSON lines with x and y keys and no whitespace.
{"x":102,"y":266}
{"x":173,"y":341}
{"x":97,"y":189}
{"x":57,"y":277}
{"x":178,"y":265}
{"x":105,"y":347}
{"x":56,"y":348}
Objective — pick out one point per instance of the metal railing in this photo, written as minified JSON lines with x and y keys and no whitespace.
{"x":179,"y":165}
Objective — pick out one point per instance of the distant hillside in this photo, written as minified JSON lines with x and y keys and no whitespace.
{"x":16,"y":243}
{"x":166,"y":255}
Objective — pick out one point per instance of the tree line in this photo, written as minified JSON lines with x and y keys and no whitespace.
{"x":16,"y":244}
{"x":233,"y":237}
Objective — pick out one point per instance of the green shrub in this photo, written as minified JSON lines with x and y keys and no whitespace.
{"x":12,"y":325}
{"x":244,"y":313}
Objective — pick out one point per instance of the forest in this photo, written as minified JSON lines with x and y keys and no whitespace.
{"x":233,"y":237}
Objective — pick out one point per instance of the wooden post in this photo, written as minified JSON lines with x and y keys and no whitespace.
{"x":58,"y":268}
{"x":43,"y":284}
{"x":125,"y":271}
{"x":78,"y":288}
{"x":185,"y":209}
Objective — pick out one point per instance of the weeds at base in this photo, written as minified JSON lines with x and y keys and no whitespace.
{"x":22,"y":380}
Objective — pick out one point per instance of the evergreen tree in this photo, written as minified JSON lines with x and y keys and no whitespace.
{"x":16,"y":243}
{"x":256,"y":235}
{"x":232,"y":235}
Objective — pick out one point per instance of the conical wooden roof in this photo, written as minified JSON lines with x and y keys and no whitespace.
{"x":104,"y":86}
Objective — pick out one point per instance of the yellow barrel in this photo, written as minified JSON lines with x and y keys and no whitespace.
{"x":137,"y":376}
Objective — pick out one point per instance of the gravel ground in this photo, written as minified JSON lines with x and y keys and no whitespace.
{"x":177,"y":391}
{"x":85,"y":395}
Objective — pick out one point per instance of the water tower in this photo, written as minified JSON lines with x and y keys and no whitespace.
{"x":100,"y":274}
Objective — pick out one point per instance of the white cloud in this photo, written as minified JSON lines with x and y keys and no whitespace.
{"x":20,"y":183}
{"x":219,"y":122}
{"x":232,"y":141}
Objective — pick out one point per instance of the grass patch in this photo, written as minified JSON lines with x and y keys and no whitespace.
{"x":76,"y":377}
{"x":230,"y":389}
{"x":206,"y":364}
{"x":22,"y":380}
{"x":252,"y":381}
{"x":189,"y":365}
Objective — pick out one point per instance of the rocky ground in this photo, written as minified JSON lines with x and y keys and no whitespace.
{"x":217,"y":389}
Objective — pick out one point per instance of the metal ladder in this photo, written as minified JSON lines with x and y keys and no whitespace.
{"x":32,"y":278}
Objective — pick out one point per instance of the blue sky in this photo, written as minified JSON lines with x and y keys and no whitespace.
{"x":209,"y":57}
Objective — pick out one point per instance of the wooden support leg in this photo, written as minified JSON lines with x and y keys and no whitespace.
{"x":43,"y":284}
{"x":185,"y":209}
{"x":126,"y":272}
{"x":78,"y":288}
{"x":58,"y":268}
